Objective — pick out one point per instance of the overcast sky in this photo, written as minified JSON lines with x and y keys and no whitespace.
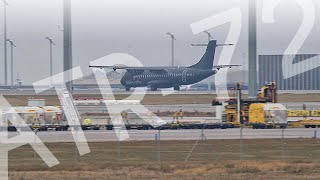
{"x":138,"y":27}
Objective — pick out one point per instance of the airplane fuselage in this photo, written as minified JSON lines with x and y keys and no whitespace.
{"x":165,"y":78}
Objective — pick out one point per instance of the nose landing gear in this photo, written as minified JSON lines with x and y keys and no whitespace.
{"x":176,"y":88}
{"x":127,"y":88}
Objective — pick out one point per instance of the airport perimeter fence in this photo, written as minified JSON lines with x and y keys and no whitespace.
{"x":206,"y":145}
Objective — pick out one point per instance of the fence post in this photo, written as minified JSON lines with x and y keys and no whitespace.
{"x":119,"y":144}
{"x":241,"y":143}
{"x":159,"y":145}
{"x":282,"y":143}
{"x":75,"y":145}
{"x":119,"y":149}
{"x":315,"y":133}
{"x":35,"y":141}
{"x":201,"y":138}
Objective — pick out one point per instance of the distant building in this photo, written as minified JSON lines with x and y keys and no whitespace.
{"x":270,"y":69}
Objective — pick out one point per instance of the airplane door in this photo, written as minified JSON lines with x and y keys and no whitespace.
{"x":184,"y":75}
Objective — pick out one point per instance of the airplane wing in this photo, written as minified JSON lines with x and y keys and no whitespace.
{"x":156,"y":68}
{"x":224,"y":66}
{"x":161,"y":68}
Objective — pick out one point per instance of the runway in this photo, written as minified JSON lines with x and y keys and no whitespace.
{"x":188,"y":107}
{"x":154,"y":108}
{"x":97,"y":91}
{"x":194,"y":134}
{"x":31,"y":91}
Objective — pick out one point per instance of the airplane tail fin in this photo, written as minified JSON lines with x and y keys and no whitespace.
{"x":206,"y":62}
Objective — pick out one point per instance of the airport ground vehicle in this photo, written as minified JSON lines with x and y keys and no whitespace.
{"x":306,"y":118}
{"x":88,"y":125}
{"x":37,"y":118}
{"x":260,"y":112}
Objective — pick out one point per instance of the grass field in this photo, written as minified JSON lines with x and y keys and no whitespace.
{"x":158,"y":99}
{"x":214,"y":159}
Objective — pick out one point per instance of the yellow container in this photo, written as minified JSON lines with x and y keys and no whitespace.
{"x":267,"y":113}
{"x":256,"y":113}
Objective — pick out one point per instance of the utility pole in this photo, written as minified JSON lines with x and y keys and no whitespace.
{"x":50,"y":46}
{"x":172,"y":47}
{"x":252,"y":76}
{"x":5,"y":42}
{"x":209,"y":78}
{"x":67,"y":42}
{"x":12,"y":46}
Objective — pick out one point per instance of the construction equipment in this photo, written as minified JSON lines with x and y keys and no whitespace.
{"x":268,"y":92}
{"x":260,"y":112}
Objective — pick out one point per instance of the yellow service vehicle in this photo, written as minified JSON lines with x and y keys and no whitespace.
{"x":268,"y":115}
{"x":260,"y":112}
{"x":310,"y":123}
{"x":88,"y":125}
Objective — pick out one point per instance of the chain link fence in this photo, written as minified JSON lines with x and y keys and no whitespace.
{"x":162,"y":148}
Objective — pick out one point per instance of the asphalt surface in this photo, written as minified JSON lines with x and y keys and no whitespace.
{"x":122,"y":91}
{"x":97,"y":91}
{"x":188,"y":107}
{"x":194,"y":134}
{"x":153,"y":108}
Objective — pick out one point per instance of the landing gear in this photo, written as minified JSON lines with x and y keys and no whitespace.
{"x":127,"y":88}
{"x":153,"y":88}
{"x":176,"y":88}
